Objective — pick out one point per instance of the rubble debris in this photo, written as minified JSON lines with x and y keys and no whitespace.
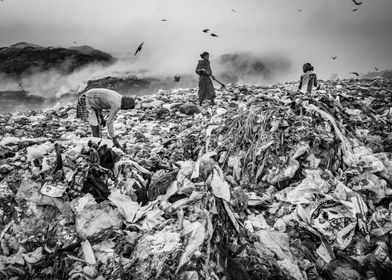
{"x":267,"y":184}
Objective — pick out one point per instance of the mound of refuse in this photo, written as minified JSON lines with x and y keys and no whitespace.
{"x":385,"y":74}
{"x":127,"y":83}
{"x":267,"y":184}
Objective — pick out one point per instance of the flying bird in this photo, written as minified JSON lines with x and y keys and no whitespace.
{"x":299,"y":10}
{"x":357,"y":3}
{"x":163,"y":19}
{"x":214,"y":35}
{"x":355,"y":10}
{"x":375,"y":68}
{"x":139,"y":49}
{"x":234,"y":11}
{"x":354,"y":73}
{"x":205,"y":30}
{"x":333,"y":57}
{"x":74,"y":42}
{"x":177,"y":78}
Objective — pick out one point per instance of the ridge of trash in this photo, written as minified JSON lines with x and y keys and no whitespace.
{"x":267,"y":184}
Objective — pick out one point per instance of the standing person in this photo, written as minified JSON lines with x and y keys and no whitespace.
{"x":308,"y":79}
{"x":92,"y":102}
{"x":206,"y":88}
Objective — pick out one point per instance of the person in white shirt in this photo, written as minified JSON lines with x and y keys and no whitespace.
{"x":308,"y":80}
{"x":92,"y":102}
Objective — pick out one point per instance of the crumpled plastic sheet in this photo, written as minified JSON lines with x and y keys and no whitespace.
{"x":125,"y":205}
{"x":278,"y":244}
{"x":335,"y":219}
{"x":197,"y":233}
{"x":93,"y":218}
{"x":220,"y":188}
{"x":332,"y":160}
{"x":152,"y":251}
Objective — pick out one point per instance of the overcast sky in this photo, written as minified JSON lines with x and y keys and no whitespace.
{"x":361,"y":40}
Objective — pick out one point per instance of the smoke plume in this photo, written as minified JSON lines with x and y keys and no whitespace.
{"x":252,"y":69}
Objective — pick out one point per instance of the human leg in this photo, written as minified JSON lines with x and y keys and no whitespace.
{"x":93,"y":119}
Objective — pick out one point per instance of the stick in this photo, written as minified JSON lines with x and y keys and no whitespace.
{"x":218,"y":82}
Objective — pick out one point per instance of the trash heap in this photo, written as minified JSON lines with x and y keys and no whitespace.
{"x":267,"y":184}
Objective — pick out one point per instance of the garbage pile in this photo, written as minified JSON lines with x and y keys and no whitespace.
{"x":267,"y":184}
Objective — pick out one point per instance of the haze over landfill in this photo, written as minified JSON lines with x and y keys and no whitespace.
{"x":190,"y":140}
{"x":294,"y":32}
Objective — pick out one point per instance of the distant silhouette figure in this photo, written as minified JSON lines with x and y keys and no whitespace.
{"x":308,"y":79}
{"x":375,"y":68}
{"x":139,"y":49}
{"x":206,"y":88}
{"x":177,"y":78}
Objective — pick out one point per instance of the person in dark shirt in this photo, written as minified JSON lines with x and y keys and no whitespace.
{"x":206,"y":88}
{"x":308,"y":80}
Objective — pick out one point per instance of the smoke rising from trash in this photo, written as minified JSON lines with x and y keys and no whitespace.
{"x":231,"y":67}
{"x":252,"y":69}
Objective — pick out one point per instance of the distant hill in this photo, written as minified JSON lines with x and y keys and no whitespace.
{"x":386,"y":74}
{"x":23,"y":59}
{"x":22,"y":45}
{"x":88,"y":50}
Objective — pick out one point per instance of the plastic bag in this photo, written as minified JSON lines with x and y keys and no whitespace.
{"x":56,"y":189}
{"x":220,"y":188}
{"x":125,"y":205}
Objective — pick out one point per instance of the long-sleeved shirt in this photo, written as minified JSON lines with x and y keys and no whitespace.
{"x":206,"y":88}
{"x":307,"y":81}
{"x":203,"y":64}
{"x":100,"y":98}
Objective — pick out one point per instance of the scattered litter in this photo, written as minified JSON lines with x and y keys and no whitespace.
{"x":267,"y":184}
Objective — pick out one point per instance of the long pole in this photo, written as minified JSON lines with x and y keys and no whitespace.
{"x":223,"y":85}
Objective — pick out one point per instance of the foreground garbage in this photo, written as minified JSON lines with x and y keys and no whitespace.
{"x":267,"y":184}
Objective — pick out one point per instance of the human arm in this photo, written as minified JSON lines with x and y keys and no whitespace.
{"x":110,"y":120}
{"x":201,"y":68}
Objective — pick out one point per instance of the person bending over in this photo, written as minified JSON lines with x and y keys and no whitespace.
{"x":92,"y":102}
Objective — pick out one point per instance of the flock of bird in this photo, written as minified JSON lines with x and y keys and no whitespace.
{"x":164,"y":19}
{"x":206,"y":30}
{"x":334,"y":57}
{"x":177,"y":78}
{"x":356,"y":4}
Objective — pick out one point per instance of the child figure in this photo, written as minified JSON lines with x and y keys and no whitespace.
{"x":308,"y":79}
